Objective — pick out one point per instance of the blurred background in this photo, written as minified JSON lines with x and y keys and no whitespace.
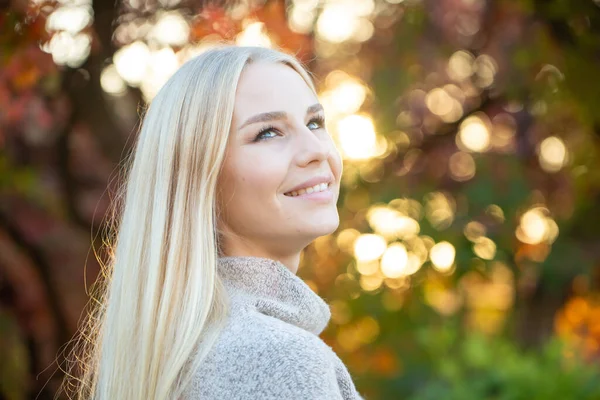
{"x":466,"y":264}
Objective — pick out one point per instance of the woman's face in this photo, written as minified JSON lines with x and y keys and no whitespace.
{"x":277,"y":143}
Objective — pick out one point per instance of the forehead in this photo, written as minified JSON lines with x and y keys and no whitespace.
{"x":265,"y":87}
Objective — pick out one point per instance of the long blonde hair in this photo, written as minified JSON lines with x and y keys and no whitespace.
{"x":159,"y":303}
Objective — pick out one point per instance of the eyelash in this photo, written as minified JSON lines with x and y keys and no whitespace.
{"x":319,"y":119}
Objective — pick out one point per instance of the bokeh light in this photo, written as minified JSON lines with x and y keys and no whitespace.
{"x":552,"y":154}
{"x":254,"y":34}
{"x":442,"y":256}
{"x":537,"y":226}
{"x":111,"y":81}
{"x":171,"y":29}
{"x":394,"y":261}
{"x":474,"y":134}
{"x":132,"y":62}
{"x":357,"y":137}
{"x":369,"y":247}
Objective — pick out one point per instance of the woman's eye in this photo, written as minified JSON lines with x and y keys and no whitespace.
{"x":320,"y":121}
{"x":261,"y":134}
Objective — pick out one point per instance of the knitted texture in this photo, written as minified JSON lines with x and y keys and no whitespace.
{"x":270,"y":348}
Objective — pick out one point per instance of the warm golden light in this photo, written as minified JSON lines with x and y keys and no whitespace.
{"x":485,"y":68}
{"x":163,"y":63}
{"x":171,"y":29}
{"x":460,"y":65}
{"x":341,"y":313}
{"x":503,"y":132}
{"x":474,"y":134}
{"x":367,"y":267}
{"x":439,"y":101}
{"x":461,"y":166}
{"x":345,"y":239}
{"x":406,"y":227}
{"x":369,"y":247}
{"x":364,"y":30}
{"x":488,"y":299}
{"x":254,"y":34}
{"x":444,"y":300}
{"x":552,"y":154}
{"x":534,"y":226}
{"x":394,"y":261}
{"x":415,"y":261}
{"x":69,"y":18}
{"x":382,"y":220}
{"x":496,"y":212}
{"x":301,"y":18}
{"x":69,"y":49}
{"x":111,"y":81}
{"x":348,"y":96}
{"x":336,"y":23}
{"x":442,"y":256}
{"x":410,"y":207}
{"x":371,"y":282}
{"x":485,"y":248}
{"x":439,"y":209}
{"x":131,"y":62}
{"x":474,"y":230}
{"x":357,"y":137}
{"x":537,"y":226}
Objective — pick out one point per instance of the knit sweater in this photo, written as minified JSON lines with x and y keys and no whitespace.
{"x":270,"y":348}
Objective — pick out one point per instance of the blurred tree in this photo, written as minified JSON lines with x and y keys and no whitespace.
{"x":470,"y":137}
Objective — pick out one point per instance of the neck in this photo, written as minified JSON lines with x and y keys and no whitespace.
{"x":290,"y":261}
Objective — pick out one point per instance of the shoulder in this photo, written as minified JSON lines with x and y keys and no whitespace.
{"x":258,"y":358}
{"x":257,"y":339}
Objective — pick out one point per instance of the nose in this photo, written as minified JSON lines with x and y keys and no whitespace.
{"x":311,"y":146}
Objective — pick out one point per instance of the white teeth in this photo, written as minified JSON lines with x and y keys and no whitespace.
{"x":317,"y":188}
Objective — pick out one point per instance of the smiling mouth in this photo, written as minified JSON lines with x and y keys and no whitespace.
{"x":313,"y":189}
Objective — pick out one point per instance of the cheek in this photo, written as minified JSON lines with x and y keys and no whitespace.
{"x":335,"y":160}
{"x":255,"y":182}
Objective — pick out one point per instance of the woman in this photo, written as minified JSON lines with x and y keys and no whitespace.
{"x":232,"y":176}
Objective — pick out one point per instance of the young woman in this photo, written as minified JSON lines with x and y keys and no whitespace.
{"x":232,"y":176}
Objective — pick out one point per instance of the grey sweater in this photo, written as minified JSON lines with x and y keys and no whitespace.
{"x":270,"y":348}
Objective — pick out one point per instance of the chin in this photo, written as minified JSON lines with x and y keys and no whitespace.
{"x":324,"y":226}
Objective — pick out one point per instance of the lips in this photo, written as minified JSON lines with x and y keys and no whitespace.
{"x":317,"y":180}
{"x":323,"y":187}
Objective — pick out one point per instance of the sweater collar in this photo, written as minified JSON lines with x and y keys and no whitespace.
{"x":270,"y":287}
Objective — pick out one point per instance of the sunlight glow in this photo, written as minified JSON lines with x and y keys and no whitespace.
{"x":357,"y":137}
{"x":442,"y":256}
{"x":255,"y":34}
{"x":394,"y":261}
{"x":71,"y":19}
{"x":439,"y":209}
{"x":552,"y":154}
{"x":474,"y":134}
{"x":461,"y":166}
{"x":368,"y":247}
{"x":111,"y":81}
{"x":336,"y":23}
{"x":170,"y":29}
{"x":348,"y":96}
{"x":161,"y":67}
{"x":537,"y":226}
{"x":68,"y":49}
{"x":460,"y":65}
{"x":132,"y":61}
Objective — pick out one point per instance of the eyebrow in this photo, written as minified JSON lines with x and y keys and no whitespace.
{"x":274,"y":115}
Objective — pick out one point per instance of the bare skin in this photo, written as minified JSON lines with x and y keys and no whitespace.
{"x":258,"y":219}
